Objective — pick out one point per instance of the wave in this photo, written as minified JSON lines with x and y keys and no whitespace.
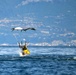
{"x":12,"y":53}
{"x":37,"y":58}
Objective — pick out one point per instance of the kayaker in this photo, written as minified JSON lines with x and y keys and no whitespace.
{"x":24,"y":49}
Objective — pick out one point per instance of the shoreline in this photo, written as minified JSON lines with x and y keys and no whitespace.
{"x":40,"y":46}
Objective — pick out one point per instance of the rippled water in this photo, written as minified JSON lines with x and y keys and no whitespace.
{"x":41,"y":61}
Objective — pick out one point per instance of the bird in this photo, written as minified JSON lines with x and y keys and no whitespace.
{"x":22,"y":29}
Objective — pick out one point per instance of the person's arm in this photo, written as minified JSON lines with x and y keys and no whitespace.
{"x":20,"y":45}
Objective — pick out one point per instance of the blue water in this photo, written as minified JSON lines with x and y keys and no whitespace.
{"x":41,"y":61}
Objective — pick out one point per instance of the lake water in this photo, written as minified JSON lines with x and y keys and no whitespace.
{"x":41,"y":61}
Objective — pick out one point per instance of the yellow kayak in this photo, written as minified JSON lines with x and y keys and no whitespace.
{"x":25,"y":52}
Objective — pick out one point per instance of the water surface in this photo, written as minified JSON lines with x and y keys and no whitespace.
{"x":41,"y":61}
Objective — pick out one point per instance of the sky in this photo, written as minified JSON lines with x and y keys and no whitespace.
{"x":54,"y":21}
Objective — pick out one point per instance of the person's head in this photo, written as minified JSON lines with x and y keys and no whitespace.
{"x":24,"y":45}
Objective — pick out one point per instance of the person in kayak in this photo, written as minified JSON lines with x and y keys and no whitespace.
{"x":25,"y":51}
